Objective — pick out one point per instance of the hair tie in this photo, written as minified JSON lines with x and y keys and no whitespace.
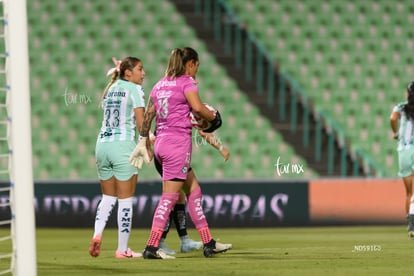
{"x":116,"y":68}
{"x":178,"y":51}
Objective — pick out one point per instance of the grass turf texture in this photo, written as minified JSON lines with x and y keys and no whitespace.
{"x":365,"y":250}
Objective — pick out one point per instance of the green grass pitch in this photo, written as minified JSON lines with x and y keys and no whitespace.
{"x":364,"y":250}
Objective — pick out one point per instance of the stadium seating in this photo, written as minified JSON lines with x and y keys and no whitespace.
{"x":351,"y":57}
{"x":71,"y":45}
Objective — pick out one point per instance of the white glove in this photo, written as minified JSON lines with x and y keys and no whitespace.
{"x":140,"y":154}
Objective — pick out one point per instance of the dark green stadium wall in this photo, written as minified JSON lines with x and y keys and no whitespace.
{"x":226,"y":204}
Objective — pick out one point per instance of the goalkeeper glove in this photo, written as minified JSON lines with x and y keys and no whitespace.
{"x":215,"y":123}
{"x":140,"y":154}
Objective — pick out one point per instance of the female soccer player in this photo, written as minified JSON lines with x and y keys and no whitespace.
{"x":123,"y":112}
{"x":403,"y":113}
{"x":178,"y":214}
{"x":171,"y":100}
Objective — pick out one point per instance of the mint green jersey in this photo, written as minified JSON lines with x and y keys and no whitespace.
{"x":118,"y":106}
{"x":406,"y":127}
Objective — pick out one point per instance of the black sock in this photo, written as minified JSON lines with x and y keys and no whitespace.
{"x":211,"y":243}
{"x":167,"y":227}
{"x":180,"y":219}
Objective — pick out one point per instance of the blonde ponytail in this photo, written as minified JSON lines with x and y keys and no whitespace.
{"x":175,"y":67}
{"x":113,"y":79}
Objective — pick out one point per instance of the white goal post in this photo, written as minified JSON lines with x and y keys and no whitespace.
{"x":20,"y":138}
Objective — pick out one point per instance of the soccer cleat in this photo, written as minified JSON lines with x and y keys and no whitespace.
{"x":154,"y":253}
{"x":188,"y":245}
{"x":226,"y":245}
{"x":95,"y":246}
{"x":214,"y":247}
{"x":162,"y":245}
{"x":127,"y":254}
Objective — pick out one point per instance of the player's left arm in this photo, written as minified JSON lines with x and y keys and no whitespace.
{"x":213,"y":141}
{"x":149,"y":115}
{"x":395,"y":116}
{"x":138,"y":101}
{"x":142,"y":152}
{"x":139,"y":116}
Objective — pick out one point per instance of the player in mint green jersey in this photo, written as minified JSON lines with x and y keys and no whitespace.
{"x":402,"y":125}
{"x":123,"y":110}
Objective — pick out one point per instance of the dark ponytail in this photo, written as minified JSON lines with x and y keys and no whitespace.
{"x":409,"y":106}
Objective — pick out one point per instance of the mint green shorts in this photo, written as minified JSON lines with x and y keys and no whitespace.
{"x":406,"y":161}
{"x":112,"y":159}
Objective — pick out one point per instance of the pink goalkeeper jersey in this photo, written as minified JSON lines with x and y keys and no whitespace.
{"x":171,"y":106}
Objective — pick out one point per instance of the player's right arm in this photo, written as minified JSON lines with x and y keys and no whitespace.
{"x":198,"y":107}
{"x":395,"y":116}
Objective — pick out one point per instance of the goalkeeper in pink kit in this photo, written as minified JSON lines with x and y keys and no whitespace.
{"x":171,"y":101}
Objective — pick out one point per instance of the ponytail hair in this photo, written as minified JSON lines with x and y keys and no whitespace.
{"x":409,"y":106}
{"x":127,"y":63}
{"x":178,"y":59}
